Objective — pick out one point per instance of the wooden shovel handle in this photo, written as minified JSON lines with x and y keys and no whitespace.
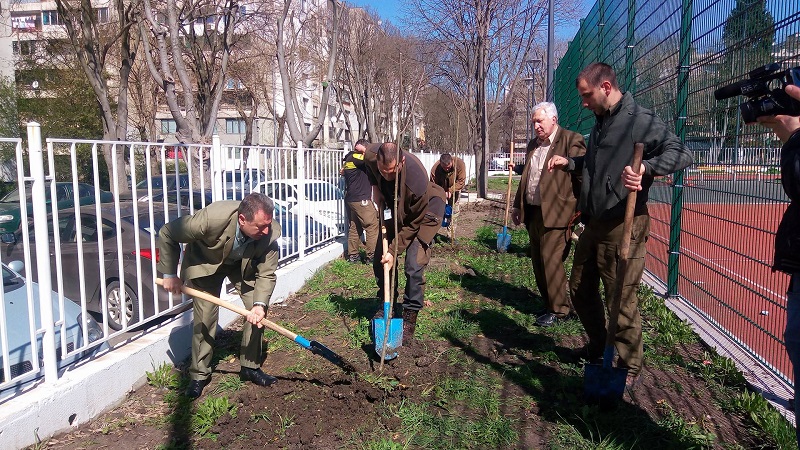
{"x":386,"y":269}
{"x":219,"y":302}
{"x":630,"y":206}
{"x":510,"y":175}
{"x":625,"y":246}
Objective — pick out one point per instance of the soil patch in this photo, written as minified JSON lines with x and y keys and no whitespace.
{"x":316,"y":405}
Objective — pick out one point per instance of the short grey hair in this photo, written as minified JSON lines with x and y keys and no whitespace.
{"x":548,"y":107}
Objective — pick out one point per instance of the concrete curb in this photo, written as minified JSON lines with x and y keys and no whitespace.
{"x":95,"y":386}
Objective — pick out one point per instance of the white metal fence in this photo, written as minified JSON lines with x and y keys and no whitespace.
{"x":101,"y":248}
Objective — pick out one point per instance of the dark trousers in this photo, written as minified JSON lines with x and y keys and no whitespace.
{"x":596,"y":257}
{"x":418,"y":255}
{"x":549,"y":249}
{"x":791,"y":337}
{"x":206,"y":317}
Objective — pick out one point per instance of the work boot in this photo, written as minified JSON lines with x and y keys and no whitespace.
{"x":370,"y":257}
{"x":196,"y":388}
{"x":409,"y":325}
{"x":354,"y":259}
{"x":256,"y":376}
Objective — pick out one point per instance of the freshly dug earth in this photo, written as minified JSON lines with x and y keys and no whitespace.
{"x":316,"y":405}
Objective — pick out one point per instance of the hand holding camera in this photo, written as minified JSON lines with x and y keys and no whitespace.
{"x":784,"y":125}
{"x":765,"y":89}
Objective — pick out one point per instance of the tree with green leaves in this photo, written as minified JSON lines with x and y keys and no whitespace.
{"x":747,"y":35}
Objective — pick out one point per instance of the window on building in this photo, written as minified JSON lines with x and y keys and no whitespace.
{"x":235,"y":126}
{"x":51,"y":18}
{"x":102,"y":15}
{"x":331,"y":132}
{"x":23,"y":47}
{"x":233,"y":83}
{"x":25,"y":22}
{"x":168,"y":126}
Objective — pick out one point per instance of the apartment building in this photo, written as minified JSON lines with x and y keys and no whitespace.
{"x":26,"y":24}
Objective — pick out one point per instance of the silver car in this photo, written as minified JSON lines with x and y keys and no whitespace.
{"x":16,"y":328}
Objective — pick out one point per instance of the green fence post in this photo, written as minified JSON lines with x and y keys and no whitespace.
{"x":630,"y":39}
{"x":601,"y":35}
{"x":680,"y":130}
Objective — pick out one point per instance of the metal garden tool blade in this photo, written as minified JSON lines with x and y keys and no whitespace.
{"x":387,"y":332}
{"x":314,"y":346}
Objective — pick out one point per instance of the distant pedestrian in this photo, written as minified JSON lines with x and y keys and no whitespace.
{"x":450,"y":173}
{"x":420,"y":207}
{"x":360,"y":207}
{"x":787,"y":238}
{"x":226,"y":239}
{"x":606,"y":180}
{"x":545,"y":202}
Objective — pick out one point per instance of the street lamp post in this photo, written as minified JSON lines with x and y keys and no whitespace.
{"x":532,"y":65}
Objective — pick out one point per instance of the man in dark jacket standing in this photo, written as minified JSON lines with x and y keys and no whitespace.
{"x":450,"y":173}
{"x":545,"y":202}
{"x":787,"y":238}
{"x":605,"y":182}
{"x":420,"y":208}
{"x":358,"y":198}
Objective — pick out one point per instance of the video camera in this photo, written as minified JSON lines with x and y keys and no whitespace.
{"x":765,"y":89}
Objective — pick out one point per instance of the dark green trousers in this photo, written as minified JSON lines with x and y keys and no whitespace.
{"x":206,"y":317}
{"x":596,"y":257}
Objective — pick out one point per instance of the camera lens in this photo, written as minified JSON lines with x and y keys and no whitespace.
{"x":766,"y":106}
{"x":750,"y":110}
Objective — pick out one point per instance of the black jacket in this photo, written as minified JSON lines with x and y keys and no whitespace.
{"x":787,"y":238}
{"x":610,"y":149}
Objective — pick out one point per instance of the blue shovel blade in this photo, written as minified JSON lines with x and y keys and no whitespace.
{"x":503,"y":240}
{"x":395,"y":339}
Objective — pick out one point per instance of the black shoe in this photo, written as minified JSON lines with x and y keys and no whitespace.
{"x":256,"y":376}
{"x":354,"y":259}
{"x":548,"y":320}
{"x":196,"y":388}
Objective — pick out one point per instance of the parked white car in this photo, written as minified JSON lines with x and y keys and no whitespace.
{"x":324,"y":201}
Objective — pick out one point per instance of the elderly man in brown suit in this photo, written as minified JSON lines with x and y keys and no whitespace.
{"x":545,"y":202}
{"x":232,"y":239}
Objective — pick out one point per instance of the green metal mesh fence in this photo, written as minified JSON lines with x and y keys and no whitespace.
{"x":713,"y":224}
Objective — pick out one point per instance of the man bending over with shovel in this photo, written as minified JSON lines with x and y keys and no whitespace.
{"x":420,"y":208}
{"x":229,"y":239}
{"x":607,"y":178}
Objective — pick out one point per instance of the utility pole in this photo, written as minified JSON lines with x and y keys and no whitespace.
{"x":532,"y":64}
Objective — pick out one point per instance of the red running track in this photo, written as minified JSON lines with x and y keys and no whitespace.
{"x":725,"y":270}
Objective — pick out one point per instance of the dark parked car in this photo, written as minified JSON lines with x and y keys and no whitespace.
{"x":157,"y":183}
{"x":239,"y":183}
{"x":18,"y":312}
{"x":10,"y":212}
{"x":199,"y":199}
{"x":88,"y":236}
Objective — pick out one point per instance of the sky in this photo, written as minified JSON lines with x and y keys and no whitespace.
{"x":391,"y":10}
